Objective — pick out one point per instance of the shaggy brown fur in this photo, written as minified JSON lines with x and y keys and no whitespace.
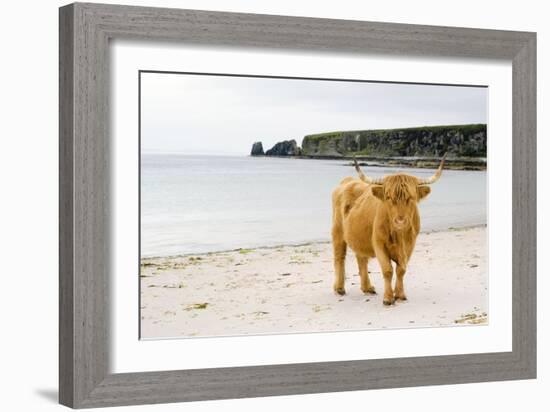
{"x":376,"y":220}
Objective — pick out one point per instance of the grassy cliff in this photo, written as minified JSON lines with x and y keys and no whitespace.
{"x":461,"y":141}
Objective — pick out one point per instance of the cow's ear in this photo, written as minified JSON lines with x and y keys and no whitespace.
{"x":378,"y":191}
{"x":423,"y":191}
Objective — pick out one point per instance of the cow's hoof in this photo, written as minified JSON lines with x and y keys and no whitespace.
{"x":403,"y":297}
{"x":340,"y":291}
{"x":370,"y":291}
{"x":389,"y":302}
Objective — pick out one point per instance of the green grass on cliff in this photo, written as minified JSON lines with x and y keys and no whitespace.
{"x":464,"y":129}
{"x":326,"y":136}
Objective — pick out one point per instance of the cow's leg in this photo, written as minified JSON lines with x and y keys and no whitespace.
{"x":387,"y":271}
{"x":339,"y":247}
{"x":399,"y":288}
{"x":366,"y":286}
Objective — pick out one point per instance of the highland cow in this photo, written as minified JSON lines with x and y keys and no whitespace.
{"x":378,"y":218}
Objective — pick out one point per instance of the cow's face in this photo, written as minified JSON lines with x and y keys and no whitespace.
{"x":400,"y":194}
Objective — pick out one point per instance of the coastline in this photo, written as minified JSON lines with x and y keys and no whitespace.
{"x":418,"y":146}
{"x":461,"y":163}
{"x":288,"y":289}
{"x":300,"y":244}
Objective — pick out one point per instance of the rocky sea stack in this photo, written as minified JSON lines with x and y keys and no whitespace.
{"x":257,"y":149}
{"x":285,"y":148}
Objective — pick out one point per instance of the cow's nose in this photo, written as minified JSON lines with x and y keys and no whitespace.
{"x":400,"y":220}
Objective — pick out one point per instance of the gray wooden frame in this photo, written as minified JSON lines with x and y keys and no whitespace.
{"x":85,"y":31}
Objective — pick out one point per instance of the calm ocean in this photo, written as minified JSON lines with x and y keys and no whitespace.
{"x":197,"y":204}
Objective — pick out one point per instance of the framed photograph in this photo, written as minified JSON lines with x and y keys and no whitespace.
{"x":257,"y":205}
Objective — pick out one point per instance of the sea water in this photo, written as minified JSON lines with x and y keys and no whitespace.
{"x":197,"y":203}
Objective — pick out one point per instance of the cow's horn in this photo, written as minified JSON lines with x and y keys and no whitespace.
{"x":365,"y":178}
{"x":437,"y":174}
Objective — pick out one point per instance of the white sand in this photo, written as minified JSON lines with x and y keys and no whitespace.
{"x":289,"y":289}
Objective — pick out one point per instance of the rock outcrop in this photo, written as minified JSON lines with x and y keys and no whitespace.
{"x":458,"y":141}
{"x":257,"y":149}
{"x":285,"y":148}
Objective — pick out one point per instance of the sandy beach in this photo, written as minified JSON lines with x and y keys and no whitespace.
{"x":288,"y":289}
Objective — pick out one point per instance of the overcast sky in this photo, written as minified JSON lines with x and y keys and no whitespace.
{"x":225,"y":115}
